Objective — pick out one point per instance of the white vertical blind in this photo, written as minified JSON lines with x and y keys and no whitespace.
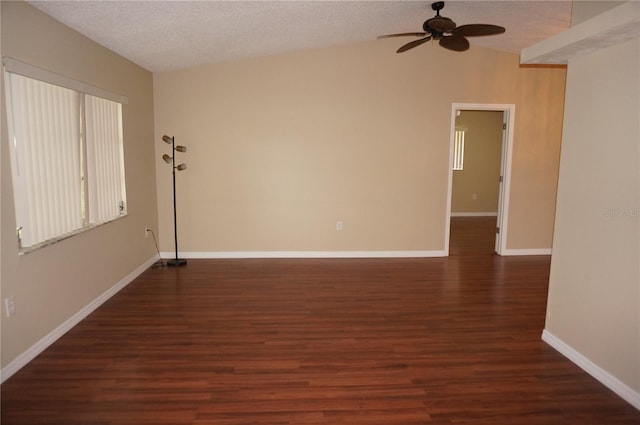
{"x":46,"y":146}
{"x":105,"y":159}
{"x":458,"y":150}
{"x":67,"y":157}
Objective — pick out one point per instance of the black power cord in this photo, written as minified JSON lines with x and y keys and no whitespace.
{"x":158,"y":263}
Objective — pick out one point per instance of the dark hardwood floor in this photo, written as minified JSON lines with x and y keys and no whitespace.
{"x":472,"y":236}
{"x":320,"y":341}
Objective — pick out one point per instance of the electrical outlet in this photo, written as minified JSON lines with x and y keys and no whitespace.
{"x":339,"y":226}
{"x":146,"y":232}
{"x":10,"y":306}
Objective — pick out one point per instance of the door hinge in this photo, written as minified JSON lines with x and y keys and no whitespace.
{"x":497,"y":230}
{"x":500,"y":179}
{"x":504,"y":125}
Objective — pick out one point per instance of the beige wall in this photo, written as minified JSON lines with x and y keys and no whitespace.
{"x":53,"y":283}
{"x":475,"y":187}
{"x":536,"y":152}
{"x":594,"y":299}
{"x":282,"y":147}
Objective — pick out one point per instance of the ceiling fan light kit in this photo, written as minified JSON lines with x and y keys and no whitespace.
{"x":445,"y":31}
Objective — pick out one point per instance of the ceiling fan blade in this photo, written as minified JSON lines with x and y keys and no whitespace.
{"x":475,"y":30}
{"x":455,"y":42}
{"x":413,"y":44}
{"x":404,"y":34}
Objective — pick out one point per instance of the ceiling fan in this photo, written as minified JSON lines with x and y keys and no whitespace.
{"x":446,"y":32}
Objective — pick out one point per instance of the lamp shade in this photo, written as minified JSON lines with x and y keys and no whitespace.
{"x":181,"y":167}
{"x":167,"y":158}
{"x":167,"y":139}
{"x":181,"y":148}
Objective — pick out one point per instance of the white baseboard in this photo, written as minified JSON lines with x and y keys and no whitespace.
{"x":335,"y":254}
{"x":608,"y":380}
{"x":37,"y":348}
{"x":306,"y":254}
{"x":535,"y":251}
{"x":474,"y":214}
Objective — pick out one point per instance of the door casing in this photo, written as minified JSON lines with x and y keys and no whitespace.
{"x":508,"y":119}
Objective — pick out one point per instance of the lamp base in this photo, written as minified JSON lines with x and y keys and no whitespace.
{"x":176,"y":262}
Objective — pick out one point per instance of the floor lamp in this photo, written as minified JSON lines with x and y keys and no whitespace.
{"x":172,"y":160}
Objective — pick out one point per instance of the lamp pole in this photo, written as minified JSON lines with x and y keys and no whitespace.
{"x":175,"y":261}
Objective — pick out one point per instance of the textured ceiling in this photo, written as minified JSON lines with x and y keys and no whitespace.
{"x":170,"y":35}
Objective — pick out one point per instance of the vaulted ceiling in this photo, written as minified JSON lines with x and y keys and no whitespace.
{"x":169,"y":35}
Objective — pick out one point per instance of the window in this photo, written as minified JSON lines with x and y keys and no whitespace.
{"x":458,"y":150}
{"x":66,"y":155}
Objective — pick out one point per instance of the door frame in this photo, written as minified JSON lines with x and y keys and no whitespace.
{"x":508,"y":117}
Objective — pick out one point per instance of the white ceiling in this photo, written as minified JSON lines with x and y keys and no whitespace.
{"x":170,"y":35}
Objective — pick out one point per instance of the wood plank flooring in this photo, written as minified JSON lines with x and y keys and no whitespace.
{"x":472,"y":236}
{"x":318,"y":341}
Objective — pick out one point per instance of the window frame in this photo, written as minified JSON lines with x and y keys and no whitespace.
{"x":13,"y":66}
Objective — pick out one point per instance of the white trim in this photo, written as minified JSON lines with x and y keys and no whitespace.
{"x":306,"y":254}
{"x":17,"y":67}
{"x":534,"y":251}
{"x":614,"y":384}
{"x":509,"y":113}
{"x":474,"y":214}
{"x":37,"y":348}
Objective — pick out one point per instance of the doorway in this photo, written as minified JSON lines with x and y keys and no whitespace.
{"x":479,"y":177}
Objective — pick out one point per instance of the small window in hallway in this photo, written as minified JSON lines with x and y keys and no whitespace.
{"x":458,"y":150}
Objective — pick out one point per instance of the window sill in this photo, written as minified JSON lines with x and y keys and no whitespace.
{"x":33,"y":248}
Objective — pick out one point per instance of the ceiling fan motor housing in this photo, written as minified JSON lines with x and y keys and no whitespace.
{"x":438,"y":24}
